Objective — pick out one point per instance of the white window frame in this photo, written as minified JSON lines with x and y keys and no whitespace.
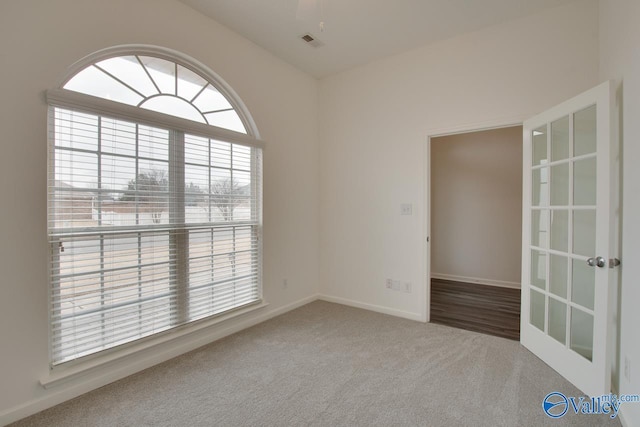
{"x":83,"y":103}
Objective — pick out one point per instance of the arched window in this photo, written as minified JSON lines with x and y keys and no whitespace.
{"x":154,"y":200}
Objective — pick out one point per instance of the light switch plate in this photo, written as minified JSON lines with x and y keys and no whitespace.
{"x":406,"y":209}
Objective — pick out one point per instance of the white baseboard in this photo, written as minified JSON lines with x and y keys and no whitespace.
{"x":65,"y":392}
{"x":480,"y":281}
{"x":372,"y":307}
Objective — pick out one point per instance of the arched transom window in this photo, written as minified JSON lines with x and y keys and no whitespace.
{"x":154,"y":200}
{"x":159,"y":85}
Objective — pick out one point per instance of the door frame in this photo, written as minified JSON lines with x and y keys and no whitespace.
{"x":436,"y":133}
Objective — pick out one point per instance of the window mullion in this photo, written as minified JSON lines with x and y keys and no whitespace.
{"x":179,"y":236}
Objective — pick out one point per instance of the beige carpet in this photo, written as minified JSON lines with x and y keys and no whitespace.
{"x":329,"y":365}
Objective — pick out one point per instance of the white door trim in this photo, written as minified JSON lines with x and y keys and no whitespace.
{"x":435,"y":133}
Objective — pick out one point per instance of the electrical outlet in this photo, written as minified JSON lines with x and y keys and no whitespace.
{"x":627,"y":368}
{"x":398,"y":285}
{"x":406,"y":209}
{"x":285,"y":284}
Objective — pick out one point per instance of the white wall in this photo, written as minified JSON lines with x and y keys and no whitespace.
{"x":374,"y":123}
{"x":476,"y":206}
{"x":620,"y":60}
{"x":38,"y":41}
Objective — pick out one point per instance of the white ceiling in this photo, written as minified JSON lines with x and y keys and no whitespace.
{"x":357,"y":31}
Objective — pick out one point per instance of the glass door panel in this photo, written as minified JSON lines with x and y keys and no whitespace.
{"x":557,"y":319}
{"x":558,"y":275}
{"x":540,"y":190}
{"x":584,"y":238}
{"x":584,"y":124}
{"x":539,"y":269}
{"x":540,"y":146}
{"x":563,"y":202}
{"x":582,"y":333}
{"x":560,"y":185}
{"x":583,"y":284}
{"x":560,"y":139}
{"x":584,"y":178}
{"x":537,"y":309}
{"x":539,"y":227}
{"x":560,"y":230}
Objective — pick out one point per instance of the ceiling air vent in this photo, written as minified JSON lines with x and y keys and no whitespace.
{"x":311,"y":41}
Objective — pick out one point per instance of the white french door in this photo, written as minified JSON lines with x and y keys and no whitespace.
{"x":567,"y":255}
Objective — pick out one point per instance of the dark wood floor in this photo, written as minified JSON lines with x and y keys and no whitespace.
{"x":487,"y":309}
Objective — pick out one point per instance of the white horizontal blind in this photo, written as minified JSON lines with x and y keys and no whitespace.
{"x":223,"y":260}
{"x":149,"y":229}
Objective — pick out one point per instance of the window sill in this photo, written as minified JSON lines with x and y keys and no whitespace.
{"x":61,"y":374}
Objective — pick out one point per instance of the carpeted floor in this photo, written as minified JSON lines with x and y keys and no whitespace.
{"x":329,"y":365}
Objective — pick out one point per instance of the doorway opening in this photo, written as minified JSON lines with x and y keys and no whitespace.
{"x":476,"y":230}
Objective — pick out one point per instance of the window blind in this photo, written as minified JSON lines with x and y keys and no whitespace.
{"x":149,"y":229}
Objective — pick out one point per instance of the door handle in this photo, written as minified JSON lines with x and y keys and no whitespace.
{"x":596,"y":262}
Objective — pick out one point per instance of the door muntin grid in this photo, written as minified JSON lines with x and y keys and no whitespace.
{"x":563,"y":218}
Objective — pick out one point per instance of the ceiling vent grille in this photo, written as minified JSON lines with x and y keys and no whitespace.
{"x":311,"y":41}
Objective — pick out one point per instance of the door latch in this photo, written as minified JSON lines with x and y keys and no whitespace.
{"x":614,"y":262}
